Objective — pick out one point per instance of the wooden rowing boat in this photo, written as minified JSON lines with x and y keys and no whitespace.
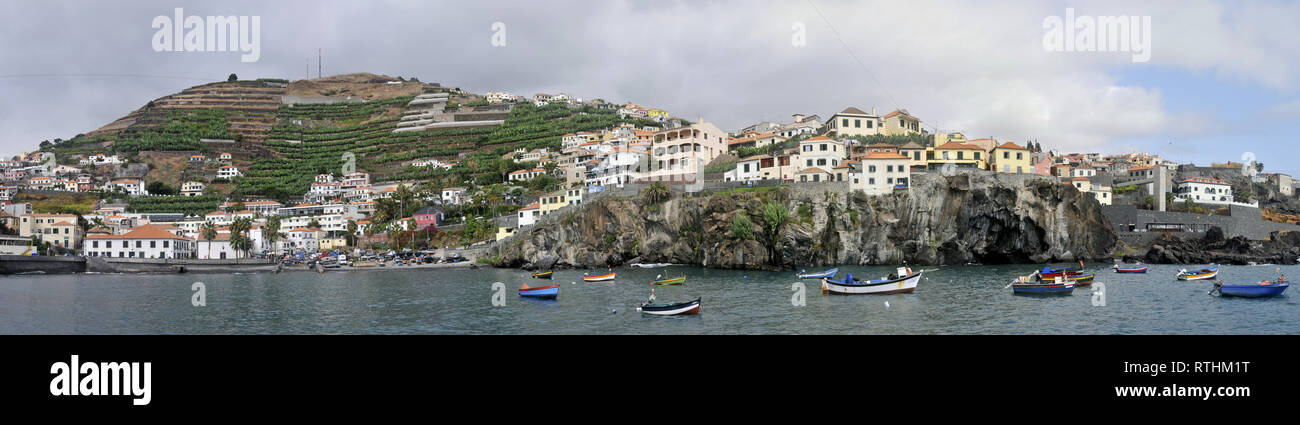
{"x":1119,"y":269}
{"x":902,"y":282}
{"x":543,"y":275}
{"x":1202,"y":274}
{"x":543,"y":292}
{"x":670,"y":309}
{"x":671,"y":281}
{"x":599,"y":278}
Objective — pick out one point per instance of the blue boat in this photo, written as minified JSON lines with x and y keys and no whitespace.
{"x":1259,"y":290}
{"x":543,"y":292}
{"x":822,"y":275}
{"x":1031,"y":285}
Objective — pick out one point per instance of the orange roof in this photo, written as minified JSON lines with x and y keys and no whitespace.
{"x":1009,"y":145}
{"x":143,"y":232}
{"x":886,"y":155}
{"x":819,"y":139}
{"x":530,"y":207}
{"x":1205,"y":180}
{"x":955,"y":145}
{"x":812,"y":170}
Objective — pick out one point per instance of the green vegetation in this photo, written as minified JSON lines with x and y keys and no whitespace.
{"x":172,"y":130}
{"x":896,"y":139}
{"x":742,"y":227}
{"x":1124,"y":189}
{"x":189,"y":205}
{"x":775,"y":217}
{"x":656,"y":193}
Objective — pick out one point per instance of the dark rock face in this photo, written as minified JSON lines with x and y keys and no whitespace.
{"x":1213,"y":248}
{"x":968,"y":218}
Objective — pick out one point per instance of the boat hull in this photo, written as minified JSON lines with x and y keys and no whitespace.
{"x":1200,"y":276}
{"x":903,"y":285}
{"x":1043,"y":289}
{"x":545,"y":292}
{"x":543,"y":275}
{"x":1138,"y":270}
{"x":1253,"y":291}
{"x":673,"y":281}
{"x":674,"y":309}
{"x":599,"y":278}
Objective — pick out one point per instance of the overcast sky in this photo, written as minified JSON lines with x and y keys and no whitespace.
{"x":1223,"y":78}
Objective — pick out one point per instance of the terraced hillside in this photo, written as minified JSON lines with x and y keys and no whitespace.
{"x":312,"y":139}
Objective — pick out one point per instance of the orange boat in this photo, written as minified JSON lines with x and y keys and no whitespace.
{"x":598,"y":278}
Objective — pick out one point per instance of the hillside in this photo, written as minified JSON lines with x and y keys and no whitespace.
{"x":282,"y":134}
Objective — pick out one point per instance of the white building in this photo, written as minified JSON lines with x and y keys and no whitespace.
{"x":880,"y":173}
{"x":133,"y":187}
{"x":822,"y":152}
{"x":228,"y":171}
{"x":1203,"y":191}
{"x":528,"y":215}
{"x":192,"y":188}
{"x":453,"y":196}
{"x":146,"y":241}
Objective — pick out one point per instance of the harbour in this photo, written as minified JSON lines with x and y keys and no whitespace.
{"x":970,"y":299}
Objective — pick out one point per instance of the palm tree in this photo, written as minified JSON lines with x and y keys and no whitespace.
{"x":352,"y":233}
{"x":208,"y":232}
{"x":272,"y":231}
{"x":775,"y":216}
{"x":657,"y":192}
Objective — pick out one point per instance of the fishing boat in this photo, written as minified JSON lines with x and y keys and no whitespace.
{"x":598,"y":278}
{"x":1201,"y":274}
{"x":670,"y":281}
{"x":1032,"y":285}
{"x":822,"y":275}
{"x":1071,"y":274}
{"x":543,"y":292}
{"x":650,"y":265}
{"x":1119,"y":269}
{"x":1260,"y":290}
{"x":670,"y":309}
{"x":902,"y":282}
{"x":543,"y":275}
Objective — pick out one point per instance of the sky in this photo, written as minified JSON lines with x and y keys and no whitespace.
{"x":1222,"y":81}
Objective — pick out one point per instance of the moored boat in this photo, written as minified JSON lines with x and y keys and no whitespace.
{"x":825,"y":274}
{"x":543,"y":275}
{"x":670,"y":281}
{"x":902,"y":282}
{"x":1202,"y":274}
{"x":1134,"y":269}
{"x":599,"y":277}
{"x":544,"y":292}
{"x":670,"y":309}
{"x":1032,"y":285}
{"x":1260,"y":290}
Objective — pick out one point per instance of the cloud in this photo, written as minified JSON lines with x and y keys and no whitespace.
{"x":975,"y":67}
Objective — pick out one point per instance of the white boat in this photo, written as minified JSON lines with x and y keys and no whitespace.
{"x":650,"y":265}
{"x":903,"y":282}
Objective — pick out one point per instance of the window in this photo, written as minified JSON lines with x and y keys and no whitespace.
{"x":871,"y":181}
{"x":846,"y":122}
{"x":857,"y":123}
{"x":871,"y":169}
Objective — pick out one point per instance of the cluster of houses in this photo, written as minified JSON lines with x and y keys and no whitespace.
{"x":31,"y":172}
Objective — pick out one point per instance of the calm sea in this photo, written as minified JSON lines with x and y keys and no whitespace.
{"x":950,"y":300}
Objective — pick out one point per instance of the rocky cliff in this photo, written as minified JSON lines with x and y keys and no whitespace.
{"x":1214,"y":248}
{"x":967,"y":218}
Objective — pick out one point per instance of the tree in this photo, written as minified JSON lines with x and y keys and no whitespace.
{"x":239,"y":240}
{"x":208,"y":232}
{"x":352,"y":233}
{"x":232,"y":78}
{"x":742,"y":227}
{"x":313,"y":224}
{"x":657,"y":192}
{"x":160,"y":188}
{"x":775,"y":217}
{"x":272,"y":230}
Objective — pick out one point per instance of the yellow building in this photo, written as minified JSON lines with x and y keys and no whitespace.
{"x":505,"y":232}
{"x":1010,"y":158}
{"x":959,"y":154}
{"x":553,"y":201}
{"x":330,"y":244}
